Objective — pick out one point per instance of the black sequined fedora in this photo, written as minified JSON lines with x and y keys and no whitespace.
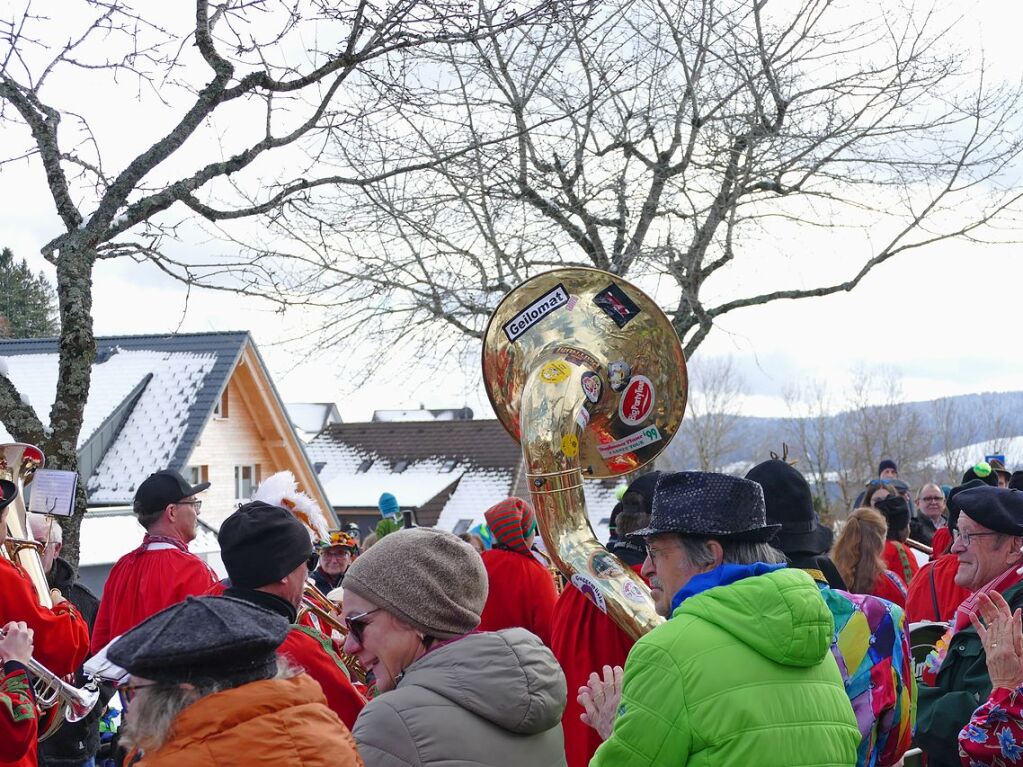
{"x":704,"y":505}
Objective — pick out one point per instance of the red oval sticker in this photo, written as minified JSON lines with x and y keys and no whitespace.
{"x":637,"y":401}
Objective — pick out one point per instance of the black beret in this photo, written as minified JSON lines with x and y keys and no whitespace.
{"x":202,"y":638}
{"x":1016,"y":480}
{"x":261,"y":544}
{"x":895,"y":510}
{"x":996,"y":508}
{"x":953,"y":515}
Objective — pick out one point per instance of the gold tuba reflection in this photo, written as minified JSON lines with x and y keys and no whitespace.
{"x":587,"y":373}
{"x":18,"y":464}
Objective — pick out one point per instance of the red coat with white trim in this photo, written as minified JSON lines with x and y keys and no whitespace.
{"x":145,"y":581}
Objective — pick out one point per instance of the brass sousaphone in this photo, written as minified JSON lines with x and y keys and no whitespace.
{"x":587,"y":374}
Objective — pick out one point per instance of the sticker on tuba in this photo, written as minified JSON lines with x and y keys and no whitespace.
{"x":590,"y":590}
{"x":592,"y":386}
{"x":553,"y":299}
{"x":555,"y":372}
{"x":631,"y":443}
{"x":616,"y":304}
{"x":637,"y":402}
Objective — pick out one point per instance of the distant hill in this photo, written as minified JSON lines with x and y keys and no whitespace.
{"x":950,"y":427}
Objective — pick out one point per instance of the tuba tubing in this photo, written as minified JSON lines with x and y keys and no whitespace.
{"x":547,"y":417}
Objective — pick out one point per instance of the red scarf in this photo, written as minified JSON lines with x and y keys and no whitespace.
{"x":148,"y":539}
{"x":1001,"y":584}
{"x":961,"y":620}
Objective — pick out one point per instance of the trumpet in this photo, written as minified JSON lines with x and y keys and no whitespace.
{"x":52,"y":691}
{"x":314,"y":603}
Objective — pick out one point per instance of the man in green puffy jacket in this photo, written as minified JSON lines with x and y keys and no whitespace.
{"x":742,"y":673}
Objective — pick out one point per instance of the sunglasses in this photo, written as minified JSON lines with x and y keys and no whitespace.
{"x":129,"y":691}
{"x":356,"y":624}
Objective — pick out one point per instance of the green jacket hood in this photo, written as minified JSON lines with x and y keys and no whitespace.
{"x":780,"y":615}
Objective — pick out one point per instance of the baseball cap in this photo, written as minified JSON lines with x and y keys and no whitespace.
{"x":163,"y":488}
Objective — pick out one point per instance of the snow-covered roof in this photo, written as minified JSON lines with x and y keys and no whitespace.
{"x":422,"y":414}
{"x":109,"y":534}
{"x":149,"y":399}
{"x":310,"y":417}
{"x":360,"y":462}
{"x":412,"y":488}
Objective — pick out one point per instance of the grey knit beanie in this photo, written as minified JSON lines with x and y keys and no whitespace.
{"x":428,"y":578}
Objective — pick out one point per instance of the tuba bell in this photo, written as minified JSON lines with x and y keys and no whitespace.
{"x":586,"y":372}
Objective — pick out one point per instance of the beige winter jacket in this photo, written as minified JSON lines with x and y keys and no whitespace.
{"x":492,"y":699}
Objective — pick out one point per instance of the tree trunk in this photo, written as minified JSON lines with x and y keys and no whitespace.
{"x":77,"y":348}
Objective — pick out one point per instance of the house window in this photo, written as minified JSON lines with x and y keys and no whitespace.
{"x":462,"y":526}
{"x":245,"y":480}
{"x":197,"y":474}
{"x":400,"y":466}
{"x":364,"y":466}
{"x":449,"y":465}
{"x":220,"y":410}
{"x":318,"y":466}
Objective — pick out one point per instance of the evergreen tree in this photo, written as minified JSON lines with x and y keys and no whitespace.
{"x":28,"y":303}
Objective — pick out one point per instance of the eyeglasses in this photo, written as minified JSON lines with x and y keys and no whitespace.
{"x":129,"y":690}
{"x":965,"y":537}
{"x":357,"y":624}
{"x":931,"y":498}
{"x":197,"y":504}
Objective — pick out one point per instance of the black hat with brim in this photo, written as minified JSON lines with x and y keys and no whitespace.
{"x":789,"y":503}
{"x":706,"y":505}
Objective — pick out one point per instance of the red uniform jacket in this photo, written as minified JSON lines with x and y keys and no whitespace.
{"x":898,"y":558}
{"x":941,"y":542}
{"x":521,"y":594}
{"x":933,"y":592}
{"x":18,"y":720}
{"x":145,"y":581}
{"x":314,"y":652}
{"x":891,"y":587}
{"x":583,"y":640}
{"x":61,"y":634}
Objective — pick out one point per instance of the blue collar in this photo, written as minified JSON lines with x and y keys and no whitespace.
{"x":722,"y":575}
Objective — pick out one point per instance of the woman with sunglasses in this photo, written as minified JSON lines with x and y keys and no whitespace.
{"x":445,"y":692}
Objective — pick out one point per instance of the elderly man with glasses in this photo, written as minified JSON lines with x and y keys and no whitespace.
{"x":162,"y":571}
{"x":930,"y":514}
{"x":956,"y":679}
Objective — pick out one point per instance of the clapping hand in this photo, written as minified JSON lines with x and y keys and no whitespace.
{"x":1002,"y":637}
{"x":600,"y":699}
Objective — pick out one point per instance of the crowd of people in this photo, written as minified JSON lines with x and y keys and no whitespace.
{"x":783,"y":643}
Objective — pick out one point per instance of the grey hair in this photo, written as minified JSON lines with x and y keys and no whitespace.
{"x":699,"y":554}
{"x":148,"y":725}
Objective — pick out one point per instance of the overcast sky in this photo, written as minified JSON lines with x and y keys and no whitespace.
{"x":946,"y":318}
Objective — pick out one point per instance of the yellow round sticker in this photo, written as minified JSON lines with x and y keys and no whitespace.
{"x":570,"y":445}
{"x":555,"y":371}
